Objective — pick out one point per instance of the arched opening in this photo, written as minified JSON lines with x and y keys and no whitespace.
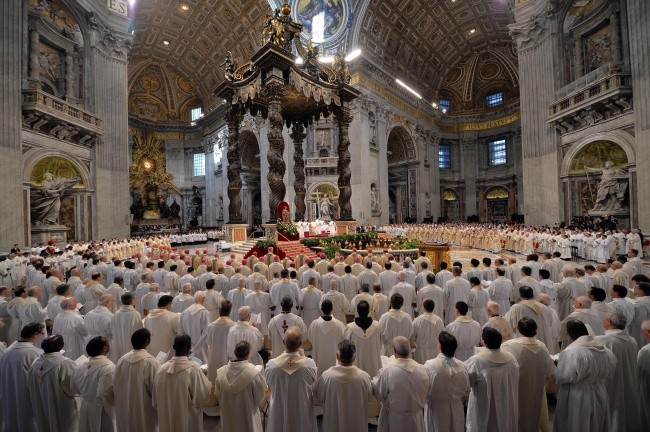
{"x":251,"y":181}
{"x":451,"y":205}
{"x":401,"y":156}
{"x":316,"y":195}
{"x":497,"y":204}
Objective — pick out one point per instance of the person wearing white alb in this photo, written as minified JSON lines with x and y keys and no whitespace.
{"x":243,"y":330}
{"x":426,"y":328}
{"x":70,"y":324}
{"x":394,"y":323}
{"x":194,"y":322}
{"x":407,"y":291}
{"x":456,"y":289}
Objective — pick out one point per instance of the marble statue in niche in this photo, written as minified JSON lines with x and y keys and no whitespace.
{"x":610,"y":192}
{"x":375,"y":204}
{"x":46,"y":199}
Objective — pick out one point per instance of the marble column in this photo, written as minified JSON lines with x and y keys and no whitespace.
{"x":343,"y":119}
{"x":277,"y":167}
{"x":233,"y":119}
{"x":33,"y":54}
{"x":298,"y":136}
{"x":14,"y":214}
{"x":638,"y":16}
{"x":69,"y":76}
{"x":615,"y":32}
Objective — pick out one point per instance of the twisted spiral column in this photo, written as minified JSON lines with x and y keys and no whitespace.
{"x":274,"y":93}
{"x":298,"y":136}
{"x":233,"y":118}
{"x":344,"y":119}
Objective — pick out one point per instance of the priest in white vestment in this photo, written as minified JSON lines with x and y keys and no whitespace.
{"x":394,"y":323}
{"x":280,"y":323}
{"x":241,"y":391}
{"x":622,"y":384}
{"x":641,"y":311}
{"x":30,"y":310}
{"x":583,"y":368}
{"x":15,"y":402}
{"x":529,"y":307}
{"x":433,"y":292}
{"x":344,"y":391}
{"x":457,"y":289}
{"x":340,"y":303}
{"x":291,"y":377}
{"x":163,"y":325}
{"x":125,"y":321}
{"x":494,"y":380}
{"x":426,"y":328}
{"x":500,"y":290}
{"x":325,"y":333}
{"x":134,"y":379}
{"x":535,"y":367}
{"x":407,"y":291}
{"x":216,"y":338}
{"x":643,"y":377}
{"x":365,"y":333}
{"x":183,"y":300}
{"x":260,"y":304}
{"x":402,"y":387}
{"x":213,"y":299}
{"x":311,"y":298}
{"x":93,"y":380}
{"x":194,"y":322}
{"x":478,"y":299}
{"x":495,"y":320}
{"x":54,"y":304}
{"x":181,"y":390}
{"x":237,"y":297}
{"x":50,"y":389}
{"x":388,"y":279}
{"x":466,"y":331}
{"x":243,"y":330}
{"x":449,"y":386}
{"x":98,"y":321}
{"x":584,"y":314}
{"x":70,"y":324}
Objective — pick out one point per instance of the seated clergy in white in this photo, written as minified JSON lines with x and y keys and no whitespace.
{"x":582,"y":372}
{"x":15,"y":403}
{"x":402,"y":388}
{"x":466,"y":331}
{"x":280,"y":323}
{"x":291,"y":373}
{"x":426,"y":328}
{"x":125,"y":321}
{"x":94,"y":382}
{"x":365,"y":333}
{"x":243,"y":330}
{"x":50,"y":389}
{"x":449,"y":386}
{"x":70,"y":324}
{"x":325,"y":333}
{"x":216,"y":338}
{"x":535,"y":367}
{"x":163,"y":325}
{"x":242,"y":392}
{"x":194,"y":322}
{"x":181,"y":390}
{"x":394,"y":323}
{"x":622,"y":384}
{"x":494,"y":380}
{"x":134,"y":379}
{"x":344,"y":391}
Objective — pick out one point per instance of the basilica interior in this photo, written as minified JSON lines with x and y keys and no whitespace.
{"x":162,"y":115}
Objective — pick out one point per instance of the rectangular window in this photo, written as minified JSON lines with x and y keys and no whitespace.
{"x":444,"y":156}
{"x":494,"y":99}
{"x":195,"y":114}
{"x":445,"y":105}
{"x":497,"y":152}
{"x":198,"y":168}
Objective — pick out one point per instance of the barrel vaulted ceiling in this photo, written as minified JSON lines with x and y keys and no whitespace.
{"x":418,"y":41}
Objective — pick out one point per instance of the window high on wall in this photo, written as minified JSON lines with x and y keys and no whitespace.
{"x":445,"y":105}
{"x":494,"y":99}
{"x":198,"y":166}
{"x":497,"y":152}
{"x":195,"y":114}
{"x":444,"y":156}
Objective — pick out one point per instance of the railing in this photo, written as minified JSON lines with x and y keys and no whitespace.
{"x":586,"y":92}
{"x":321,"y":161}
{"x":38,"y":100}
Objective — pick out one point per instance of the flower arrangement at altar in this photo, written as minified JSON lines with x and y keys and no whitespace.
{"x":286,"y":227}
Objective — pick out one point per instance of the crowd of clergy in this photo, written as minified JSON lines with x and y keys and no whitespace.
{"x":97,"y":343}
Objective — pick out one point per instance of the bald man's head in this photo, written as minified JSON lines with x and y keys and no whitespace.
{"x":292,"y":339}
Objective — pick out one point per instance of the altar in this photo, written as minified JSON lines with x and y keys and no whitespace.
{"x":437,"y":252}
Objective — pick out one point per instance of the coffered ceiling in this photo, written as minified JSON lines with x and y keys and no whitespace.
{"x":418,"y":41}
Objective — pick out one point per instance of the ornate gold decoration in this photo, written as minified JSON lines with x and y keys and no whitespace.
{"x":149,"y":82}
{"x":449,"y":195}
{"x":185,"y":85}
{"x":325,"y":190}
{"x":595,"y":154}
{"x":497,"y":192}
{"x":148,"y":178}
{"x":482,"y":125}
{"x":58,"y":167}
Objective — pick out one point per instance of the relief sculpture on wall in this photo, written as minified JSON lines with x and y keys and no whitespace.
{"x":610,"y":192}
{"x":46,"y":199}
